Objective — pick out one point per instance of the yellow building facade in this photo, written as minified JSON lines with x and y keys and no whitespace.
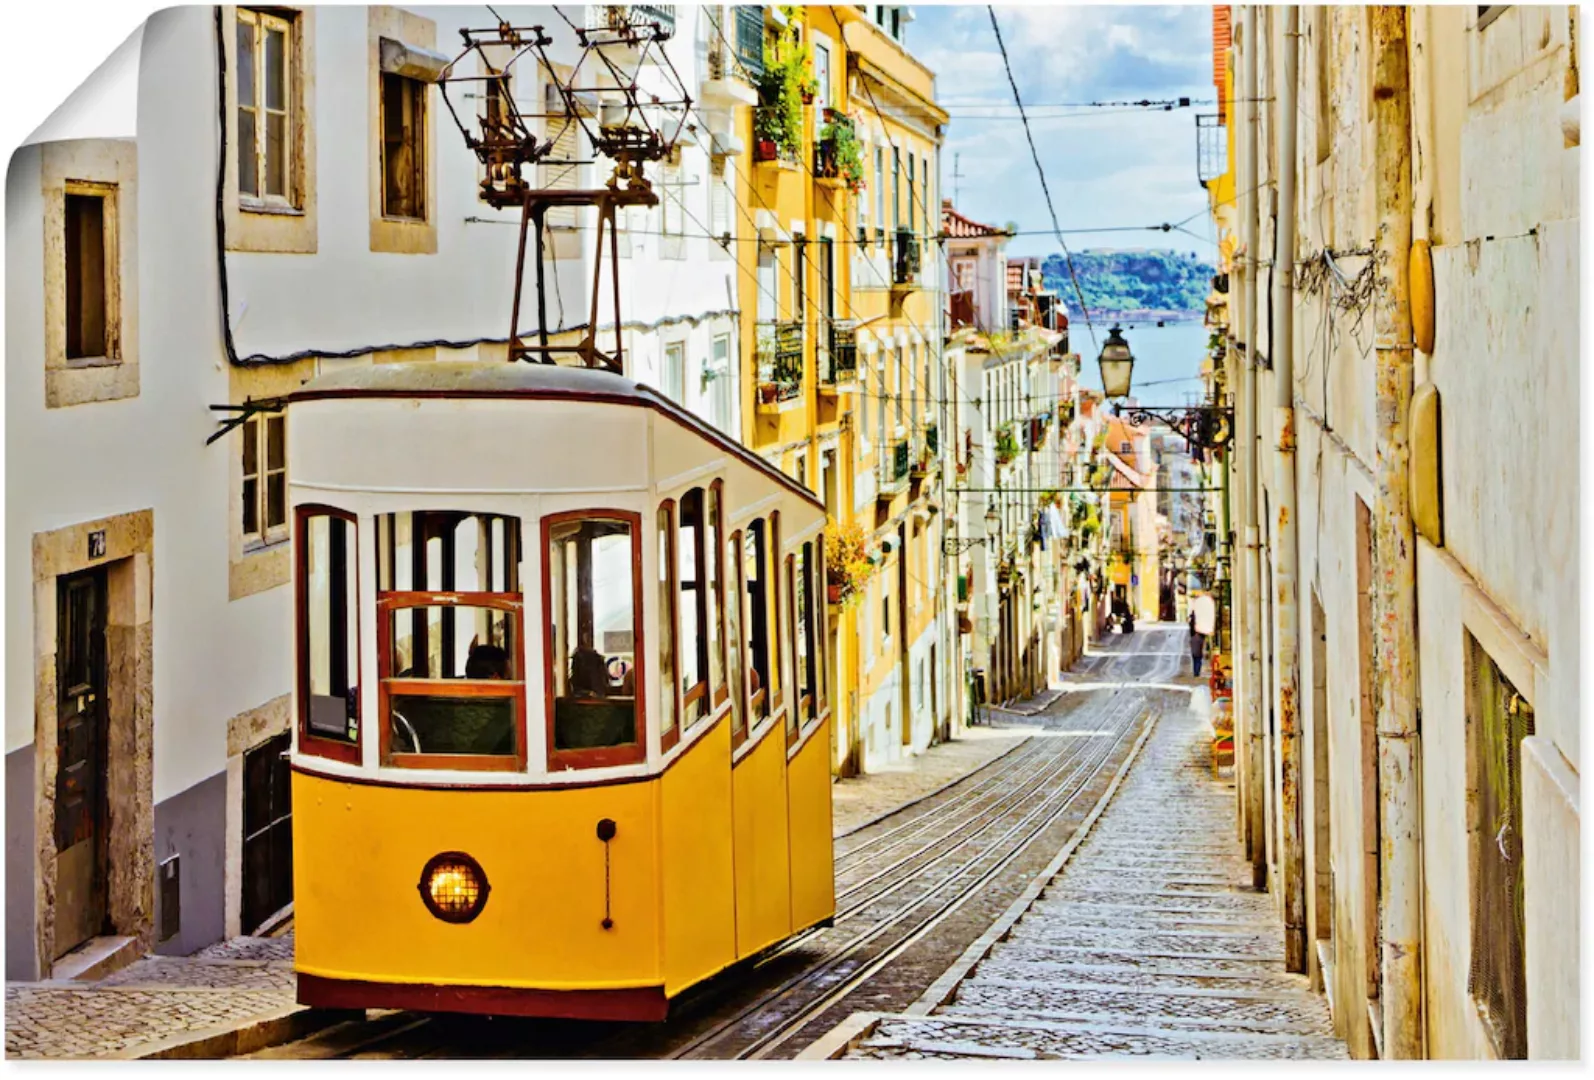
{"x":841,"y":329}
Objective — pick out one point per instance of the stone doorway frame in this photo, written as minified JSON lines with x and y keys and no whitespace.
{"x":126,"y":551}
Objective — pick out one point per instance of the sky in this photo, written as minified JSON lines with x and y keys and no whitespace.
{"x":1104,"y":168}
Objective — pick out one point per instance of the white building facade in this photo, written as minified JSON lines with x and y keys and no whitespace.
{"x":148,"y":679}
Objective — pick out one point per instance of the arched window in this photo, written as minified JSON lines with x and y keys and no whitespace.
{"x":327,"y":594}
{"x":593,"y":637}
{"x":669,"y":710}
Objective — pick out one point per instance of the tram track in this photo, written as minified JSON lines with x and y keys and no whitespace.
{"x":1125,"y":701}
{"x":989,"y":840}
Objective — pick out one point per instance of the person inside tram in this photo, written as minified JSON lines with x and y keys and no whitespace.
{"x":486,"y":662}
{"x":589,"y":671}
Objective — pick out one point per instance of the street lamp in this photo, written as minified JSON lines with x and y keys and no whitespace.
{"x":1204,"y":427}
{"x":1117,"y":364}
{"x":953,"y":545}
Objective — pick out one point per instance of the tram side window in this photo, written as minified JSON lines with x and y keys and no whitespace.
{"x":756,"y":572}
{"x":791,"y":636}
{"x":329,"y":635}
{"x":449,"y":640}
{"x":669,"y":720}
{"x":803,"y":632}
{"x":593,"y":638}
{"x":714,"y":546}
{"x":778,"y":651}
{"x":821,"y":632}
{"x":733,"y":641}
{"x":692,"y":610}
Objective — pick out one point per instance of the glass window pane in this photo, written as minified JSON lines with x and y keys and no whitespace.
{"x":666,"y":650}
{"x":330,"y":621}
{"x":246,"y":63}
{"x":756,"y":620}
{"x":251,"y":430}
{"x":594,"y":660}
{"x":714,"y":552}
{"x":276,"y":447}
{"x":276,"y":73}
{"x":248,"y":162}
{"x":276,"y":500}
{"x":486,"y":636}
{"x":733,"y":636}
{"x":251,"y":517}
{"x":276,"y":154}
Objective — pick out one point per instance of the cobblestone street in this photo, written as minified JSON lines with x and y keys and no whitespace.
{"x":1148,"y":943}
{"x":153,"y":1003}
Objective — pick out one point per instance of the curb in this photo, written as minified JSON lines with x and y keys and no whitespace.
{"x":841,"y":1038}
{"x":946,"y":986}
{"x":231,"y":1040}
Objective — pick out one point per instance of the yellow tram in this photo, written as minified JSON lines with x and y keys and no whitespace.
{"x":562,"y":742}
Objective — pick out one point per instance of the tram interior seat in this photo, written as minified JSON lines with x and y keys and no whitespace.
{"x":452,"y":725}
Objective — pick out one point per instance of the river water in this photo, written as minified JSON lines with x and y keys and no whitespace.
{"x":1167,"y":358}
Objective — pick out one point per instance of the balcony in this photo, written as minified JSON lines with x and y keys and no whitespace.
{"x":780,"y":366}
{"x":895,"y":460}
{"x":1212,"y":147}
{"x":906,"y":254}
{"x":768,"y":149}
{"x":840,"y":367}
{"x":657,"y":18}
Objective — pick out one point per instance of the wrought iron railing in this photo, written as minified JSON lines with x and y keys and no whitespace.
{"x":842,"y":364}
{"x":1212,"y":147}
{"x":895,"y":460}
{"x":619,"y":16}
{"x":905,"y":263}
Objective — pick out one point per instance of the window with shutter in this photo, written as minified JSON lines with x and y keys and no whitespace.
{"x":673,"y":202}
{"x":720,"y":199}
{"x":561,"y":169}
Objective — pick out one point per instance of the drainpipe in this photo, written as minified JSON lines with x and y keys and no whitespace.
{"x":1286,"y":625}
{"x":1252,"y":643}
{"x":1394,"y":560}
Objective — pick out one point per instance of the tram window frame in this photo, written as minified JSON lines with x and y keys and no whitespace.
{"x":821,"y":632}
{"x":669,"y":668}
{"x":777,"y":667}
{"x":431,"y":537}
{"x":804,"y":641}
{"x":715,"y":543}
{"x":690,"y":553}
{"x":789,"y":628}
{"x":325,"y":745}
{"x":595,"y":757}
{"x":736,"y":671}
{"x":755,"y":593}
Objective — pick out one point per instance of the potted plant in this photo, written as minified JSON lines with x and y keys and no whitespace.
{"x":1006,"y":444}
{"x":778,"y":120}
{"x":839,"y":154}
{"x":847,"y":562}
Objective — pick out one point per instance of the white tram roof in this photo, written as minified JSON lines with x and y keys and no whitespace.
{"x":572,"y":410}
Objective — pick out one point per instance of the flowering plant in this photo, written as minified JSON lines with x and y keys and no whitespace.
{"x":847,"y":562}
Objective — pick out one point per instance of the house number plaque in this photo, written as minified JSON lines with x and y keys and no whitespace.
{"x":97,"y":544}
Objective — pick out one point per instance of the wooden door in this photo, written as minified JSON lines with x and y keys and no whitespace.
{"x":268,"y":833}
{"x":80,"y":777}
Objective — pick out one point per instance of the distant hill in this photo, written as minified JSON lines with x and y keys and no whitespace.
{"x":1133,"y":280}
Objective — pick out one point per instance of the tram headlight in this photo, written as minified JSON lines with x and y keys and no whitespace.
{"x":454,"y":887}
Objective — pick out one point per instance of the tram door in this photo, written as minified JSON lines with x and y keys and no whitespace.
{"x":81,"y":816}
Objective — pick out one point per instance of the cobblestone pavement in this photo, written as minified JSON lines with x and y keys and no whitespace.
{"x":860,"y":800}
{"x":1149,"y":943}
{"x":151,"y":1001}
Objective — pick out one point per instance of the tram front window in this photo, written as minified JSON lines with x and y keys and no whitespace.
{"x":449,"y":641}
{"x":592,"y":639}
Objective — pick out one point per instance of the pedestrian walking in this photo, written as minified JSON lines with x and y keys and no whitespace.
{"x":1203,"y":622}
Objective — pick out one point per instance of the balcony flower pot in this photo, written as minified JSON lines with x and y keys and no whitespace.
{"x":767,"y":393}
{"x":833,"y":593}
{"x":764,"y":150}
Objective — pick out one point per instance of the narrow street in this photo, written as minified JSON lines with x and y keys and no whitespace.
{"x":913,"y":891}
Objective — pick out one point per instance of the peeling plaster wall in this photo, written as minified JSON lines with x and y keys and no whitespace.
{"x":1504,"y":228}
